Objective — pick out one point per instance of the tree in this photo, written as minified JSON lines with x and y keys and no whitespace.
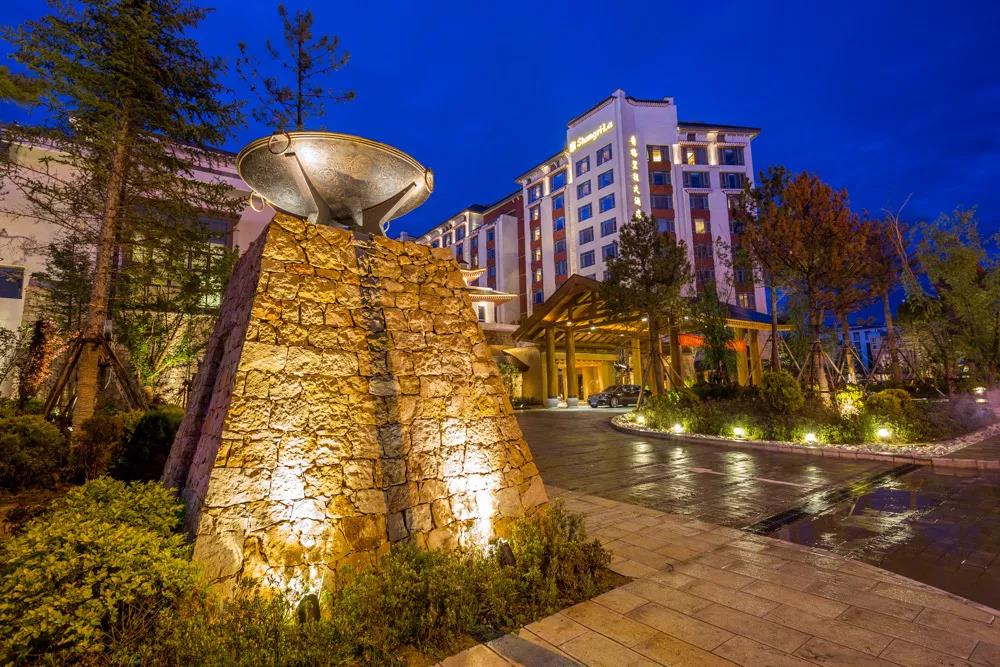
{"x":36,"y":361}
{"x":851,"y":290}
{"x":807,"y":234}
{"x":17,"y":88}
{"x":66,"y":280}
{"x":647,"y":277}
{"x":133,"y":105}
{"x":886,"y":266}
{"x":310,"y":59}
{"x":709,"y":318}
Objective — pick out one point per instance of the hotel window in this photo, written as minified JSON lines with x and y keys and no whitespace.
{"x":741,"y":276}
{"x":561,"y":267}
{"x":586,"y":259}
{"x":11,"y":282}
{"x":659,"y":177}
{"x":658,"y":153}
{"x":665,"y":202}
{"x":700,"y":226}
{"x":491,"y":272}
{"x":536,"y":255}
{"x":491,"y":254}
{"x":536,"y":233}
{"x":474,"y":244}
{"x":744,"y":300}
{"x":482,"y":313}
{"x":436,"y":243}
{"x":539,"y":296}
{"x":538,"y":275}
{"x":605,"y":179}
{"x":446,"y":241}
{"x":607,"y":274}
{"x":557,"y":181}
{"x":582,"y":189}
{"x":698,"y":202}
{"x":490,"y":234}
{"x":736,"y":227}
{"x":604,"y":155}
{"x":665,"y":225}
{"x":706,"y":276}
{"x":585,"y":212}
{"x":475,"y":261}
{"x":694,"y":155}
{"x":702,"y":250}
{"x":559,"y":223}
{"x":559,"y":246}
{"x":534,"y":193}
{"x":731,"y":156}
{"x":459,"y":233}
{"x":558,"y":202}
{"x":606,"y":203}
{"x":458,"y":251}
{"x":731,"y":180}
{"x":609,"y":226}
{"x":609,"y":251}
{"x":582,"y":166}
{"x":696,"y":179}
{"x":586,"y":235}
{"x":535,"y":212}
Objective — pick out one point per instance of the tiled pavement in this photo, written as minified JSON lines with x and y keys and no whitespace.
{"x":704,"y":594}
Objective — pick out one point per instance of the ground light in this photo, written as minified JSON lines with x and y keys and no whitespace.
{"x":739,"y":432}
{"x":883,"y":433}
{"x":640,"y":420}
{"x":810,"y":437}
{"x":677,"y":428}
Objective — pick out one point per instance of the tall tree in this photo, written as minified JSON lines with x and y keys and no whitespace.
{"x":886,"y":267}
{"x":647,"y":278}
{"x":307,"y":61}
{"x":18,"y":88}
{"x":133,"y":105}
{"x":708,"y":315}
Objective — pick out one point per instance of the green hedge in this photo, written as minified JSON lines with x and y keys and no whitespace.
{"x":33,"y":453}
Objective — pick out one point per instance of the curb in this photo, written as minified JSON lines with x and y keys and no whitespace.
{"x":825,"y":452}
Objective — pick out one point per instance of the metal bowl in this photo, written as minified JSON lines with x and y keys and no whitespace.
{"x":330,"y":178}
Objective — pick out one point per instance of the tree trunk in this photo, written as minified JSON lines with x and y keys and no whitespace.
{"x":849,"y":352}
{"x":655,"y":355}
{"x":890,"y":340}
{"x":97,"y":310}
{"x":775,"y":357}
{"x":817,"y":372}
{"x":677,"y":377}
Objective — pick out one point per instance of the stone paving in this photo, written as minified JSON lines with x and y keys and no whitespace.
{"x":705,"y":594}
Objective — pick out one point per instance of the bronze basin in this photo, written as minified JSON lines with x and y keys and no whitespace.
{"x":330,"y":178}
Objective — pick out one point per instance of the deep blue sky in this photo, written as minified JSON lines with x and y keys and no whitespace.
{"x":883,"y":98}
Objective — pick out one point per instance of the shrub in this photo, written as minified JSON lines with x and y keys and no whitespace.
{"x":888,"y":403}
{"x":32,"y":453}
{"x":145,"y":451}
{"x":98,"y":445}
{"x":781,"y":392}
{"x":93,"y":573}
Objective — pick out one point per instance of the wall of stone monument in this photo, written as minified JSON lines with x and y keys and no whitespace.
{"x":348,"y":400}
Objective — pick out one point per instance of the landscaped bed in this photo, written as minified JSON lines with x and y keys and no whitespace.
{"x":889,"y":421}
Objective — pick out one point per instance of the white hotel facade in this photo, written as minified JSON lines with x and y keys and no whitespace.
{"x":621,"y":155}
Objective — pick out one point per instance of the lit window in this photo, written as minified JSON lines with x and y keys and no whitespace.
{"x":536,"y":255}
{"x":559,"y":246}
{"x":538,"y":275}
{"x":586,"y":235}
{"x":534,"y":193}
{"x":586,"y":259}
{"x":475,"y":261}
{"x":536,"y":233}
{"x":663,"y":202}
{"x":700,"y":226}
{"x":609,"y":251}
{"x":694,"y":155}
{"x":731,"y":180}
{"x":744,"y":300}
{"x":665,"y":225}
{"x":609,"y":226}
{"x":605,"y":179}
{"x":585,"y":212}
{"x":582,"y":166}
{"x":561,"y":267}
{"x":559,"y":223}
{"x":535,"y":212}
{"x":699,"y":202}
{"x":558,"y":181}
{"x":558,"y":202}
{"x":604,"y":154}
{"x":582,"y":189}
{"x":696,"y":179}
{"x":658,"y":153}
{"x":731,"y":156}
{"x":659,"y":177}
{"x":606,"y":203}
{"x":11,"y":282}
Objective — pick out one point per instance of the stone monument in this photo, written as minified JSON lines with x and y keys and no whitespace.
{"x":347,"y":399}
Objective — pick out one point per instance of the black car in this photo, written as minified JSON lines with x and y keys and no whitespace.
{"x":616,"y":395}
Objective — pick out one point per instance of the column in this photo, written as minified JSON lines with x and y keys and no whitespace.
{"x":741,"y":356}
{"x":572,"y":391}
{"x":756,"y":366}
{"x":636,"y":362}
{"x":551,"y":375}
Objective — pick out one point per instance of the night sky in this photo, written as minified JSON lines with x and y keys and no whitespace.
{"x":883,"y":98}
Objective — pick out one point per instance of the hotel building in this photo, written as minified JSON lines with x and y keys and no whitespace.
{"x":621,"y":155}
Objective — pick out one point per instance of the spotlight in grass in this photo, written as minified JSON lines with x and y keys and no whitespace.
{"x":979,"y":391}
{"x":810,"y":437}
{"x":883,"y":433}
{"x":739,"y":432}
{"x":640,"y":420}
{"x":676,"y":428}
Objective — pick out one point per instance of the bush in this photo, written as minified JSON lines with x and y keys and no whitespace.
{"x":145,"y":451}
{"x":781,"y":393}
{"x":889,"y":403}
{"x":32,"y":453}
{"x":92,"y":574}
{"x":98,"y":445}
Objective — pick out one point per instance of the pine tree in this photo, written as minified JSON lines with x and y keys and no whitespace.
{"x":647,"y":277}
{"x":309,"y":59}
{"x":17,"y":88}
{"x":133,"y":105}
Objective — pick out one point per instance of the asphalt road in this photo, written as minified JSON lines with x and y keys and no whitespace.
{"x":939,"y":528}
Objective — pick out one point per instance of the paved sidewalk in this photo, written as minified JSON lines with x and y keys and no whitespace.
{"x":708,"y":595}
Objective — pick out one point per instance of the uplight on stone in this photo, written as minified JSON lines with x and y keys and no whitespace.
{"x":810,"y":437}
{"x":883,"y":433}
{"x":739,"y":432}
{"x":677,"y":428}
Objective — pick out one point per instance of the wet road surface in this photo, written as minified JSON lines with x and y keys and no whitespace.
{"x":941,"y":528}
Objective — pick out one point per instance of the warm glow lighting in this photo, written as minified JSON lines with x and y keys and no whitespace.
{"x":677,"y":428}
{"x":981,"y":400}
{"x":739,"y":431}
{"x":634,"y":152}
{"x":979,"y":391}
{"x":640,"y":419}
{"x":883,"y":433}
{"x":810,"y":437}
{"x":590,"y":136}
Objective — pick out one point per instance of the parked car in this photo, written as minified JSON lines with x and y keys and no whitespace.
{"x":617,"y":395}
